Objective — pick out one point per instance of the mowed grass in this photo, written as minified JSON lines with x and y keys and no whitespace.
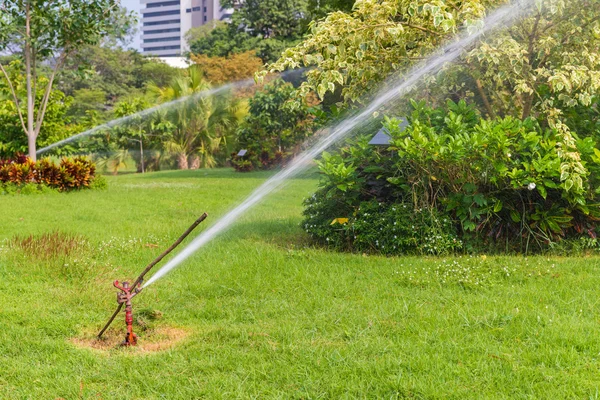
{"x":270,"y":317}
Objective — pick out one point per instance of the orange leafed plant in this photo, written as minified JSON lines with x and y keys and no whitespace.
{"x":228,"y":69}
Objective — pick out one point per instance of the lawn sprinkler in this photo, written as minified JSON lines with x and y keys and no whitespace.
{"x":128,"y":292}
{"x":124,"y":297}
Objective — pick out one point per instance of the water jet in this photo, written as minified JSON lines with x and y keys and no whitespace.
{"x":394,"y":88}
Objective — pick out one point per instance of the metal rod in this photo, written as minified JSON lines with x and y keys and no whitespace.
{"x":167,"y":251}
{"x":151,"y":265}
{"x":110,"y":320}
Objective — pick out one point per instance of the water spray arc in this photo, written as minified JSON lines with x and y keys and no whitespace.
{"x":503,"y":16}
{"x":149,"y":111}
{"x":165,"y":106}
{"x":128,"y":292}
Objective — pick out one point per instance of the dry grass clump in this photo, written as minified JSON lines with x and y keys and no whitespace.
{"x":49,"y":245}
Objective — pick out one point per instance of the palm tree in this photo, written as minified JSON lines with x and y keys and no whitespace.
{"x":202,"y":125}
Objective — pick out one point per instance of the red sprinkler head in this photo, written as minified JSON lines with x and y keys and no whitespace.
{"x":124,"y":297}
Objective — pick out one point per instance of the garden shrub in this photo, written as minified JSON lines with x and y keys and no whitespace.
{"x":27,"y":188}
{"x":23,"y":175}
{"x":382,"y":228}
{"x":499,"y":183}
{"x":99,"y":183}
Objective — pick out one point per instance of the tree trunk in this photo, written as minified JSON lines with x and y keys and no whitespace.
{"x":485,"y":99}
{"x":527,"y":105}
{"x":142,"y":156}
{"x":182,"y":161}
{"x":31,"y":134}
{"x":195,"y":162}
{"x":31,"y":146}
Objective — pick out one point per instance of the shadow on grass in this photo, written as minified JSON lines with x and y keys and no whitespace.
{"x":281,"y":232}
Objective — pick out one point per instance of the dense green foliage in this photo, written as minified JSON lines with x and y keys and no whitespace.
{"x":199,"y":131}
{"x":501,"y":182}
{"x":223,"y":41}
{"x":273,"y":131}
{"x":266,"y":27}
{"x":101,"y":76}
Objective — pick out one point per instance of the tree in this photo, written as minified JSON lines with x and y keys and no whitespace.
{"x":203,"y":31}
{"x":357,"y":50}
{"x":117,"y":72}
{"x":41,"y":31}
{"x":133,"y":130}
{"x":201,"y":128}
{"x":544,"y":64}
{"x":85,"y":100}
{"x":273,"y":130}
{"x":318,"y":9}
{"x":57,"y":126}
{"x":266,"y":27}
{"x":271,"y":18}
{"x":223,"y":41}
{"x":228,"y":69}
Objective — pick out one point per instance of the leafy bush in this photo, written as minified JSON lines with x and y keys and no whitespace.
{"x":99,"y":183}
{"x":380,"y":228}
{"x":27,"y":188}
{"x":501,"y":183}
{"x":240,"y":164}
{"x":22,"y":174}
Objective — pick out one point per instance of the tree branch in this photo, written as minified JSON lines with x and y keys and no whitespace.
{"x":391,"y":24}
{"x":15,"y":97}
{"x":44,"y":104}
{"x":426,"y":30}
{"x":563,"y":42}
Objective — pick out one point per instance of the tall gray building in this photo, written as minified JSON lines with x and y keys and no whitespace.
{"x":165,"y":22}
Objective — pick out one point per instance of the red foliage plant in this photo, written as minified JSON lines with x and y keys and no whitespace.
{"x":69,"y":174}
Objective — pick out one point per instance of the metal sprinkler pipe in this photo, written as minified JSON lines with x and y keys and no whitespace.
{"x":125,"y":296}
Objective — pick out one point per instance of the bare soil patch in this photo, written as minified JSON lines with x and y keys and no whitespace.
{"x":149,"y":341}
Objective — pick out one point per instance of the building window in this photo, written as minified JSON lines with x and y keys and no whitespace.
{"x":154,"y":23}
{"x":162,"y":31}
{"x":162,"y":48}
{"x":196,"y":9}
{"x":163,"y":4}
{"x":160,"y":13}
{"x":169,"y":39}
{"x":204,"y":9}
{"x":205,"y":19}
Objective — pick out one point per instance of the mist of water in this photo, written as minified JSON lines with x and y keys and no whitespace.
{"x":149,"y":111}
{"x":504,"y":16}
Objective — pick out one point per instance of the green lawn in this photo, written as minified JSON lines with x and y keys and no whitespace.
{"x":268,"y":317}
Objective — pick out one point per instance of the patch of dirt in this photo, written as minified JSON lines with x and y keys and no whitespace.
{"x":148,"y":341}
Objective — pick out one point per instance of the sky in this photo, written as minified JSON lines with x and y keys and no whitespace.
{"x":134,"y":5}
